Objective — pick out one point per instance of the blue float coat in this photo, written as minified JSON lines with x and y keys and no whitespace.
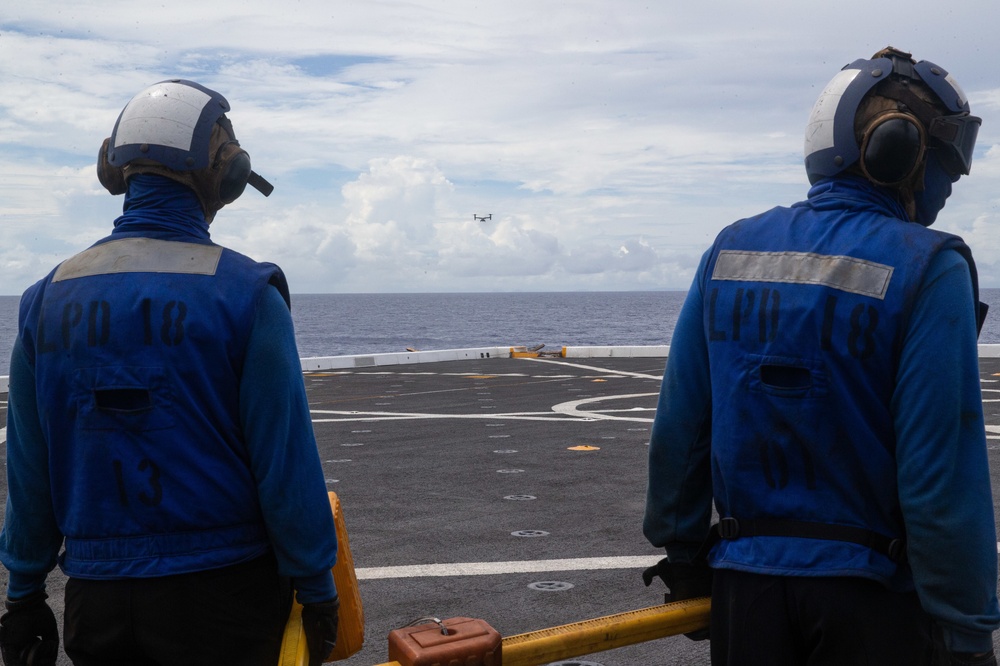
{"x":935,"y":410}
{"x":273,"y":417}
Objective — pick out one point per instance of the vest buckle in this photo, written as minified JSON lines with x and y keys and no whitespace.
{"x":896,"y":550}
{"x":729,"y":528}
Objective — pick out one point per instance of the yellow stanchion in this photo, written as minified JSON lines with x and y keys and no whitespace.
{"x":604,"y":633}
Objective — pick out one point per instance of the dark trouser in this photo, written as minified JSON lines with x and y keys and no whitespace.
{"x":233,"y":615}
{"x":783,"y":620}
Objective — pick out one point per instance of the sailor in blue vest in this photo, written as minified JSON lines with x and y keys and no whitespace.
{"x":823,"y":390}
{"x":159,"y":442}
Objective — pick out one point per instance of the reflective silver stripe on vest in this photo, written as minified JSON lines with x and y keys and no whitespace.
{"x":856,"y":276}
{"x":141,"y":255}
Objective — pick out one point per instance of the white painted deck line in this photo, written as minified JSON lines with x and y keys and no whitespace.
{"x":492,"y":568}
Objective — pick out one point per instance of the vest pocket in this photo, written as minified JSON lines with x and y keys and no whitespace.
{"x":787,"y":377}
{"x":123,"y":398}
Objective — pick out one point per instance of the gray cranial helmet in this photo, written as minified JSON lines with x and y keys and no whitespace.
{"x":178,"y":129}
{"x":929,"y":110}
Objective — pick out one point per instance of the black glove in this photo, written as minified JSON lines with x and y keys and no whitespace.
{"x":319,"y":621}
{"x":683,"y":581}
{"x":28,"y":632}
{"x":970,"y":659}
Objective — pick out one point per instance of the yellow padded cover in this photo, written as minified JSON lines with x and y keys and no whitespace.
{"x":351,"y":628}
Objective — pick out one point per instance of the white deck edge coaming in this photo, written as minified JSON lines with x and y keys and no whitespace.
{"x":321,"y":363}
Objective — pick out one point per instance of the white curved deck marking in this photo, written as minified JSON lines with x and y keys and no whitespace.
{"x":571,"y":408}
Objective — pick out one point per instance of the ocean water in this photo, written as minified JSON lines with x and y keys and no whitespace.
{"x":342,"y":324}
{"x":339,"y":324}
{"x":362,"y":323}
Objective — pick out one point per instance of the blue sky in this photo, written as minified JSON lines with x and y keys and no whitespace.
{"x":610,"y":141}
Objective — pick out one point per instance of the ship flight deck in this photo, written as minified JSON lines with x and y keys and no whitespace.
{"x":504,"y":488}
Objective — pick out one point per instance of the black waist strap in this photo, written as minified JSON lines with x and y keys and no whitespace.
{"x":731,"y":528}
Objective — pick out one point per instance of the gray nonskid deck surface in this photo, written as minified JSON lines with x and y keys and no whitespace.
{"x":431,"y":489}
{"x":438,"y":465}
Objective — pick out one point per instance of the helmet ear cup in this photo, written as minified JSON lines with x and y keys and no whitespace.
{"x":111,"y":177}
{"x":892,"y":148}
{"x":232,"y":168}
{"x":235,"y":174}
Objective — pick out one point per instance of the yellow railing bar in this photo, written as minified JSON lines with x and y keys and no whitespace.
{"x":604,"y":633}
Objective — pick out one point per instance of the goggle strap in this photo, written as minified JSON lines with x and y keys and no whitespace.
{"x":925,"y":113}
